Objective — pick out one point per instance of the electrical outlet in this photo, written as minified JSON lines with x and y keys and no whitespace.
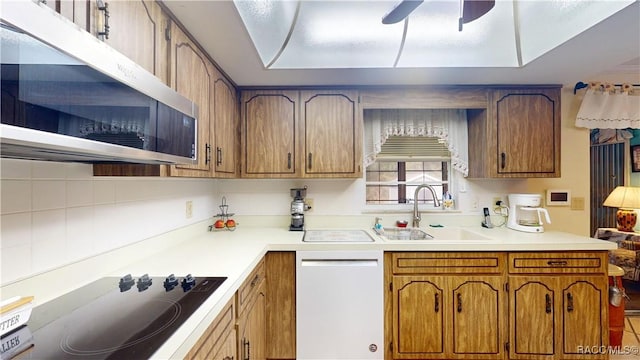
{"x":189,"y":209}
{"x":474,"y":203}
{"x":309,"y":203}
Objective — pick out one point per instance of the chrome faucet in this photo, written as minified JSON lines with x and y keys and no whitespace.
{"x":416,"y":213}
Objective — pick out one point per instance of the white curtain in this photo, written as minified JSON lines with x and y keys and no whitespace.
{"x":449,"y":125}
{"x":606,"y":106}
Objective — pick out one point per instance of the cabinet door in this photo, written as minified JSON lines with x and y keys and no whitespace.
{"x":228,"y":348}
{"x":191,"y":77}
{"x":532,"y":311}
{"x":137,"y":30}
{"x":269,"y":140}
{"x":332,"y":133}
{"x":419,"y":307}
{"x":225,"y":119}
{"x":280,"y":267}
{"x":584,"y":301}
{"x":528,"y":132}
{"x":77,"y":11}
{"x":252,"y":328}
{"x":478,"y":313}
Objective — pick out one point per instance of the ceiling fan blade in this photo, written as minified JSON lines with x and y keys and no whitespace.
{"x":473,"y":9}
{"x":401,"y":11}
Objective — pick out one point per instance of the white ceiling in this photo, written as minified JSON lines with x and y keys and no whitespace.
{"x":609,"y":51}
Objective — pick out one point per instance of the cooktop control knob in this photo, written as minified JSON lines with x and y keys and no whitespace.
{"x":188,"y":283}
{"x":144,"y":282}
{"x":170,"y":282}
{"x":126,"y":282}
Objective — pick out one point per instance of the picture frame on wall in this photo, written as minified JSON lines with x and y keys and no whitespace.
{"x":635,"y":158}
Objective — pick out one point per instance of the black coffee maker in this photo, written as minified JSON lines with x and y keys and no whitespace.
{"x":298,"y":207}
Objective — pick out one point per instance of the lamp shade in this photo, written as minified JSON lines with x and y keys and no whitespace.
{"x":625,"y":197}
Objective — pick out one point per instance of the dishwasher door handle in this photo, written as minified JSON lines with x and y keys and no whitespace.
{"x":339,"y":262}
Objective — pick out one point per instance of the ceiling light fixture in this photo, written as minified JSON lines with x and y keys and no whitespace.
{"x":401,"y":11}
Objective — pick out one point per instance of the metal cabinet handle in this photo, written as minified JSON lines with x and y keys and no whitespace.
{"x":459,"y":302}
{"x":288,"y":160}
{"x":503,"y":160}
{"x":104,"y":7}
{"x":255,"y":280}
{"x":218,"y":156}
{"x":569,"y":302}
{"x":228,"y":358}
{"x":547,"y":303}
{"x":437,"y":303}
{"x":310,"y":161}
{"x":207,"y":158}
{"x":246,"y":349}
{"x":557,"y":263}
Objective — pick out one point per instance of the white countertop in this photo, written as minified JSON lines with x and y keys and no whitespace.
{"x":235,"y":253}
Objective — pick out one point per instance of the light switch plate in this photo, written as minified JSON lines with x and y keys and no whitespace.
{"x":577,"y":203}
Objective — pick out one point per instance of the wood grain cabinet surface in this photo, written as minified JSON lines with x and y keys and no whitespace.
{"x":270,"y":142}
{"x":252,"y":318}
{"x":559,"y":305}
{"x":293,"y":134}
{"x":518,"y":135}
{"x":219,"y":340}
{"x":519,"y":305}
{"x":280,"y":267}
{"x":226,"y":130}
{"x":458,"y":312}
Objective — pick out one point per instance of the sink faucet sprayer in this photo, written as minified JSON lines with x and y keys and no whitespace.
{"x":416,"y":214}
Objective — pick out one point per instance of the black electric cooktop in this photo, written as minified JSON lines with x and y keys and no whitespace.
{"x":111,"y":318}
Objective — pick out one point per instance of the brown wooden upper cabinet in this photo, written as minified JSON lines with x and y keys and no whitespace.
{"x":191,"y":76}
{"x":137,"y":29}
{"x":310,"y":133}
{"x":518,"y":135}
{"x":332,"y":133}
{"x":225,"y":127}
{"x":269,"y":137}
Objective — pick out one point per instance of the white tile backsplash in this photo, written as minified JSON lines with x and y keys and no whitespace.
{"x":48,"y":194}
{"x":79,"y":193}
{"x":56,"y":213}
{"x":16,"y":196}
{"x":48,"y":239}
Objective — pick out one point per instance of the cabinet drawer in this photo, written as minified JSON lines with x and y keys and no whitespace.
{"x":248,"y":288}
{"x":449,"y":263}
{"x":560,"y":263}
{"x":214,"y":338}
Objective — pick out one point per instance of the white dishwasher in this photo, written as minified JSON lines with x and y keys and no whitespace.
{"x":339,"y":305}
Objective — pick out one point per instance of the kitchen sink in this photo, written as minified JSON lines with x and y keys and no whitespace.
{"x":405,"y":234}
{"x":435,"y":234}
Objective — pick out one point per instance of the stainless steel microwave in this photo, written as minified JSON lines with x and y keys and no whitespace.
{"x":67,"y":96}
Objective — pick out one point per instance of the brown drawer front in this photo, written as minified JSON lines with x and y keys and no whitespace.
{"x":247,"y":289}
{"x":565,"y":263}
{"x":213,"y":339}
{"x":447,"y":263}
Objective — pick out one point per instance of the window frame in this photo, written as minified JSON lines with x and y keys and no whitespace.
{"x":402,"y":184}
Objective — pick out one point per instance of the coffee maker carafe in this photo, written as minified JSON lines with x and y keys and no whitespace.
{"x":525,"y":213}
{"x":298,"y":207}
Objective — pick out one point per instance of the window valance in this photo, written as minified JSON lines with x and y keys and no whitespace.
{"x":448,"y":125}
{"x":606,"y":106}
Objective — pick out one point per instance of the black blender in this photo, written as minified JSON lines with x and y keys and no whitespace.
{"x":298,"y":207}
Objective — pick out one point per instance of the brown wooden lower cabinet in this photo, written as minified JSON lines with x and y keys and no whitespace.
{"x":219,"y":340}
{"x":549,"y":305}
{"x":281,"y":304}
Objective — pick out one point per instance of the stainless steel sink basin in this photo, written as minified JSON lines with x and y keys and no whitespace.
{"x":405,"y":234}
{"x":435,"y":234}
